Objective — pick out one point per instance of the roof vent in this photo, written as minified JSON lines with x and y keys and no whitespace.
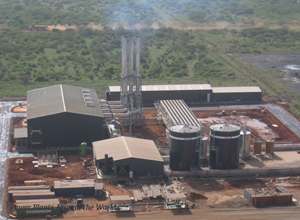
{"x":87,"y":97}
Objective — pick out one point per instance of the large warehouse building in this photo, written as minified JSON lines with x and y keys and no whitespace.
{"x":64,"y":116}
{"x":123,"y":155}
{"x":192,"y":93}
{"x":236,"y":94}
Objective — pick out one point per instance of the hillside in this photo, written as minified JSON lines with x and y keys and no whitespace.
{"x":148,"y":13}
{"x":182,"y":42}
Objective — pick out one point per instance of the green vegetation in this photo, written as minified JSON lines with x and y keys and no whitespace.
{"x":23,"y":13}
{"x":92,"y":58}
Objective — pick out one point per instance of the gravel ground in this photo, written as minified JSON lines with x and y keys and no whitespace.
{"x":278,"y":63}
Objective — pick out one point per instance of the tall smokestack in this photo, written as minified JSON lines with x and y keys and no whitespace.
{"x":138,"y":104}
{"x":123,"y":94}
{"x":131,"y":73}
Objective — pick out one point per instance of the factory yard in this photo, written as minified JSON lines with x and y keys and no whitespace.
{"x":260,"y":120}
{"x":203,"y":193}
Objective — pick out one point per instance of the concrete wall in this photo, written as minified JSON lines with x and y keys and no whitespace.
{"x":236,"y":172}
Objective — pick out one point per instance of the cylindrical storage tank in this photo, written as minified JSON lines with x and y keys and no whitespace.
{"x":184,"y":147}
{"x":224,"y":149}
{"x":269,"y":147}
{"x":241,"y":142}
{"x":203,"y":148}
{"x":83,"y":148}
{"x":247,"y":142}
{"x":244,"y":143}
{"x":257,"y":147}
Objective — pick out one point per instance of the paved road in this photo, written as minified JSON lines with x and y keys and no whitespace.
{"x":285,"y":118}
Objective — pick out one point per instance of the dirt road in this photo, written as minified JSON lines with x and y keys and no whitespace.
{"x":287,"y":213}
{"x":196,"y":27}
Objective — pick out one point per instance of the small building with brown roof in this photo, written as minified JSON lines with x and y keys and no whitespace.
{"x":125,"y":155}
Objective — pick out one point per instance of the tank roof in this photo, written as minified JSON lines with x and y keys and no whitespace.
{"x":225,"y":127}
{"x":185,"y":129}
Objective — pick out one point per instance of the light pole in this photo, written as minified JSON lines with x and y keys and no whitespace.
{"x":255,"y":190}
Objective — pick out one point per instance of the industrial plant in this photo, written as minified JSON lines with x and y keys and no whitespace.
{"x":140,"y":133}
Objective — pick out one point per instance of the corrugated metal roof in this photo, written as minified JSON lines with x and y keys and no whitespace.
{"x":120,"y":198}
{"x":238,"y":89}
{"x":39,"y":187}
{"x":20,"y":133}
{"x":126,"y":147}
{"x":61,"y":98}
{"x":176,"y":112}
{"x":31,"y":192}
{"x":179,"y":87}
{"x":88,"y":183}
{"x":40,"y":202}
{"x":176,"y":196}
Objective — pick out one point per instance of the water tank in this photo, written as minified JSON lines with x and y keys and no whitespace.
{"x":203,"y":148}
{"x":244,"y":143}
{"x":269,"y":147}
{"x":241,"y":141}
{"x":224,"y":149}
{"x":83,"y":147}
{"x":257,"y":147}
{"x":184,"y":147}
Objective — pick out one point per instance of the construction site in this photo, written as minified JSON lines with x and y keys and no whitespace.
{"x":149,"y":148}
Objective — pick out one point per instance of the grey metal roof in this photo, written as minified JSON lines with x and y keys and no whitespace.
{"x":120,"y":148}
{"x":120,"y":198}
{"x":38,"y":187}
{"x":41,"y":202}
{"x":20,"y":133}
{"x":179,"y":87}
{"x":42,"y":192}
{"x":176,"y":196}
{"x":98,"y":186}
{"x":61,"y":98}
{"x":238,"y":89}
{"x":88,"y":183}
{"x":176,"y":112}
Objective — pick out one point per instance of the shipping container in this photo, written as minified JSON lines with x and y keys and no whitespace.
{"x":34,"y":182}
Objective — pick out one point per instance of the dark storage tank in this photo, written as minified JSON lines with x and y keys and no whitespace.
{"x":224,"y":149}
{"x":184,"y":147}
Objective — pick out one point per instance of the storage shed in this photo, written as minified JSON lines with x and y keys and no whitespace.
{"x":20,"y":137}
{"x":99,"y":190}
{"x":74,"y":187}
{"x":125,"y":155}
{"x":268,"y":196}
{"x":14,"y":195}
{"x":63,"y":116}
